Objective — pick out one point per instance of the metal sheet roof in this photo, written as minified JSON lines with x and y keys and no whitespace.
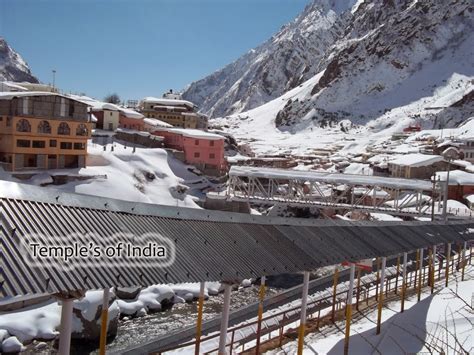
{"x":209,"y":245}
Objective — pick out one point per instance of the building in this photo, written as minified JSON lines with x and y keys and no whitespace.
{"x":467,"y":149}
{"x":416,"y":166}
{"x":108,"y":115}
{"x":131,"y":119}
{"x":178,"y":113}
{"x":203,"y":149}
{"x":172,"y":95}
{"x":41,"y":130}
{"x":461,"y":183}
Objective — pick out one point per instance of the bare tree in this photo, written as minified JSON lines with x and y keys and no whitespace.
{"x":112,"y":98}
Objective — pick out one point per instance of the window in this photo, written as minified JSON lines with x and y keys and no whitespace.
{"x":211,"y":143}
{"x":66,"y":145}
{"x":81,"y":130}
{"x":44,"y":127}
{"x":23,"y":143}
{"x":9,"y":121}
{"x":79,"y":146}
{"x":64,"y":129}
{"x":196,"y":142}
{"x":23,"y":126}
{"x":53,"y":143}
{"x":197,"y":155}
{"x":62,"y":107}
{"x":39,"y":144}
{"x":25,"y":105}
{"x":71,"y":108}
{"x":212,"y":156}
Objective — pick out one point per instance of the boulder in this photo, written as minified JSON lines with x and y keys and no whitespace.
{"x":127,"y":293}
{"x":12,"y":345}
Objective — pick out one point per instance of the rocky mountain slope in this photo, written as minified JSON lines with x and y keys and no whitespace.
{"x":382,"y":64}
{"x":286,"y":60}
{"x":393,"y":53}
{"x":12,"y":65}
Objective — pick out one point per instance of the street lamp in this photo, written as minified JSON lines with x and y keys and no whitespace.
{"x":449,"y":154}
{"x":54,"y":78}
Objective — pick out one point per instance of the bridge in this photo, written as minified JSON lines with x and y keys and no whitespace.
{"x":396,"y":196}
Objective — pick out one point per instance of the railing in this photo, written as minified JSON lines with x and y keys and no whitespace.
{"x":363,"y":291}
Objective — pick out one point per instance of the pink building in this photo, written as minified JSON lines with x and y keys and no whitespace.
{"x":202,"y":149}
{"x":131,"y":119}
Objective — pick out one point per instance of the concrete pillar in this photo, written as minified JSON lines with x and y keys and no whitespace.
{"x":65,"y":327}
{"x":224,"y":319}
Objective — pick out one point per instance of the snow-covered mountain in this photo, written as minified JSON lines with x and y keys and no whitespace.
{"x":396,"y":63}
{"x":283,"y":62}
{"x":12,"y":65}
{"x":374,"y":63}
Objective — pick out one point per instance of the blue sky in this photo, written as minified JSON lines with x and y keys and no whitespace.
{"x":137,"y":47}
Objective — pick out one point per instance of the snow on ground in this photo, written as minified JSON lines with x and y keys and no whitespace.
{"x":143,"y":176}
{"x":440,"y":322}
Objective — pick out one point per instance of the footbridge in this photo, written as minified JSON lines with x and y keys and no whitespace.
{"x":396,"y":196}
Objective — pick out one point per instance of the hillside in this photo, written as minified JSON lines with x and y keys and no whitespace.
{"x":398,"y":63}
{"x":12,"y":65}
{"x":284,"y":61}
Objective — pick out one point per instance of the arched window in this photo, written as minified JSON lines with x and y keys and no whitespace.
{"x":64,"y":129}
{"x":81,"y":130}
{"x":23,"y":126}
{"x":44,"y":127}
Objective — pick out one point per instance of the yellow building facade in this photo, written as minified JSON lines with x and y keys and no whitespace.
{"x":42,"y":131}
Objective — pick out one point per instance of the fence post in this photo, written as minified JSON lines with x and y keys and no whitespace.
{"x":261,"y":296}
{"x":104,"y":321}
{"x":377,"y":262}
{"x":304,"y":302}
{"x":432,"y":267}
{"x":224,"y":319}
{"x":349,"y":310}
{"x":464,"y":261}
{"x":334,"y":290}
{"x":359,"y":270}
{"x":199,"y":319}
{"x":448,"y":256}
{"x":404,"y":281}
{"x":380,"y":304}
{"x":420,"y":278}
{"x":416,"y":267}
{"x":398,"y":274}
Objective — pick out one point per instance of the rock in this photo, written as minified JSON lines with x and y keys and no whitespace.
{"x":41,"y":345}
{"x":246,"y":283}
{"x":127,"y":293}
{"x":87,"y":314}
{"x":141,"y":312}
{"x":12,"y":345}
{"x":178,"y":299}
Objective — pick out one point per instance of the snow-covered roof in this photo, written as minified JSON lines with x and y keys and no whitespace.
{"x":194,"y":133}
{"x":456,"y":177}
{"x":11,"y":86}
{"x":470,"y":198}
{"x":11,"y":95}
{"x":156,"y":123}
{"x":167,"y":102}
{"x":127,"y":112}
{"x":93,"y":118}
{"x":416,"y":160}
{"x":463,"y":163}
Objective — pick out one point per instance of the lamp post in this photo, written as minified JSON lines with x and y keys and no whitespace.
{"x":54,"y":78}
